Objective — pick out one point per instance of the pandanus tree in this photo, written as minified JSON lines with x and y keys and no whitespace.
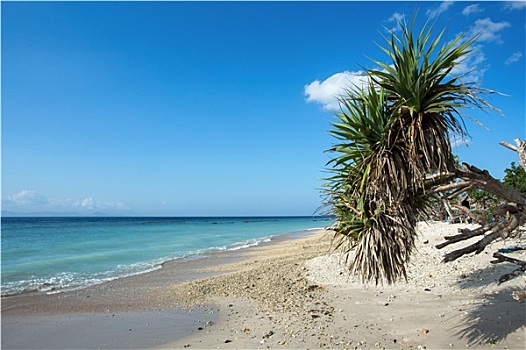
{"x":393,"y":153}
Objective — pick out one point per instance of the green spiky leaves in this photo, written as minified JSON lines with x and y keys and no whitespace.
{"x":390,"y":135}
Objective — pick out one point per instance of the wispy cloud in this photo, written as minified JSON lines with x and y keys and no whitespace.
{"x":31,"y":201}
{"x":513,"y":58}
{"x":86,"y":203}
{"x":475,"y":8}
{"x":396,"y":19}
{"x":515,"y":5}
{"x":472,"y":67}
{"x":435,"y":12}
{"x":26,"y":198}
{"x":327,"y":92}
{"x":90,"y":204}
{"x":487,"y":30}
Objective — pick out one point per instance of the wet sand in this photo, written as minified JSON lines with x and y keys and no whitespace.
{"x":134,"y":312}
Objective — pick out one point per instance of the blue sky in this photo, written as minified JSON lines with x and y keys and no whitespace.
{"x":212,"y":108}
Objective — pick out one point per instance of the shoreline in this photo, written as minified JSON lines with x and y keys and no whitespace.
{"x":158,"y":263}
{"x":139,"y":298}
{"x":287,"y":293}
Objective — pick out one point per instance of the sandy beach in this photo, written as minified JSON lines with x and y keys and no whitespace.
{"x":288,"y":293}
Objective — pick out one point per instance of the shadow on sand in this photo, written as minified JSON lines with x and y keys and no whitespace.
{"x":497,"y":314}
{"x":495,"y":317}
{"x":485,"y":277}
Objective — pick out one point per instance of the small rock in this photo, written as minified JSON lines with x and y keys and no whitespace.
{"x":269,"y":334}
{"x":228,"y":341}
{"x":424,"y":331}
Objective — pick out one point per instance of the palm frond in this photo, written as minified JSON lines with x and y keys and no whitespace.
{"x":390,"y":135}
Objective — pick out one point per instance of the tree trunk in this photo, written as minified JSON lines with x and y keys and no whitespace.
{"x":484,"y":181}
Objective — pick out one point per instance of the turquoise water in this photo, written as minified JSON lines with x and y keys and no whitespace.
{"x":58,"y":254}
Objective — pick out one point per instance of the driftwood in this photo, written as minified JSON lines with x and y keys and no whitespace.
{"x":467,"y":212}
{"x":480,"y":245}
{"x":518,"y":271}
{"x":511,"y":213}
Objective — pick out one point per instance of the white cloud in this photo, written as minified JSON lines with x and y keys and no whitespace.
{"x":457,"y":141}
{"x":513,"y":58}
{"x":488,"y":30}
{"x":515,"y":5}
{"x":444,"y":6}
{"x":396,"y":18}
{"x":472,"y":67}
{"x":468,"y":10}
{"x":33,"y":201}
{"x":90,"y":204}
{"x":327,"y":92}
{"x":87,"y":203}
{"x":26,"y":198}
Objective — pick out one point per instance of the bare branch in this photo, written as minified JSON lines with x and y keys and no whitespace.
{"x":479,"y":246}
{"x":467,"y":212}
{"x":520,"y":148}
{"x":452,"y":186}
{"x":486,"y":182}
{"x":459,"y":191}
{"x":447,"y":207}
{"x":518,"y":271}
{"x":439,"y":177}
{"x":509,"y":145}
{"x":467,"y":234}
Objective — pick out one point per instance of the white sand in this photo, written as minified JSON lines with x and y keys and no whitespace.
{"x":286,"y":298}
{"x":426,"y":270}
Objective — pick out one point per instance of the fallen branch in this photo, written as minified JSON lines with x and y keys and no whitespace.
{"x":467,"y":233}
{"x":512,"y":213}
{"x":467,"y":212}
{"x":479,"y":246}
{"x":518,"y":271}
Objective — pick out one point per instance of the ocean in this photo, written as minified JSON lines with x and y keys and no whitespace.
{"x":53,"y":255}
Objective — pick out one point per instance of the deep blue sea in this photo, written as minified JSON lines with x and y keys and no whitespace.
{"x":59,"y":254}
